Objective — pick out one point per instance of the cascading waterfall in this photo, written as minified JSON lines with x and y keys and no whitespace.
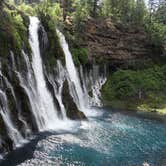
{"x":12,"y":130}
{"x":79,"y":93}
{"x":57,"y":83}
{"x":47,"y":112}
{"x":42,"y":101}
{"x":9,"y":86}
{"x":30,"y":77}
{"x":5,"y":113}
{"x":92,"y":82}
{"x":73,"y":75}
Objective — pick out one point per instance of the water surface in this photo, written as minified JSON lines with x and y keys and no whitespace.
{"x":113,"y":139}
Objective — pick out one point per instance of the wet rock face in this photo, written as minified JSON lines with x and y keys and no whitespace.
{"x":113,"y":41}
{"x":71,"y":108}
{"x":6,"y":144}
{"x":21,"y":103}
{"x":43,"y":40}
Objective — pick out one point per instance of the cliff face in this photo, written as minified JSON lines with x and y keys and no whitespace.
{"x":114,"y":42}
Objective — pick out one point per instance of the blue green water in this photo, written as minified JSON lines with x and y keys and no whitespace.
{"x":111,"y":139}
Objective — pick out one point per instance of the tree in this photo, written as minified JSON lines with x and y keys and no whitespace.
{"x":160,"y":14}
{"x":126,"y":8}
{"x":152,"y":8}
{"x":139,"y":12}
{"x":66,"y":6}
{"x":106,"y":8}
{"x":81,"y":11}
{"x":111,"y":8}
{"x":119,"y":9}
{"x":94,"y":7}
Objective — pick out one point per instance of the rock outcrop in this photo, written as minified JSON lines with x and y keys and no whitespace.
{"x":112,"y":41}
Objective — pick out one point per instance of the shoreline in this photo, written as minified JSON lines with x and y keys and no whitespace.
{"x":152,"y":115}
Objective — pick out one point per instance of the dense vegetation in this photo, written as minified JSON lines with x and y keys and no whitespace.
{"x":129,"y":12}
{"x":137,"y":89}
{"x":13,"y":31}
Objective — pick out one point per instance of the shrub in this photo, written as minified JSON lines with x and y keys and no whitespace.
{"x":13,"y":32}
{"x":28,"y":9}
{"x":127,"y":84}
{"x":157,"y":36}
{"x":80,"y":55}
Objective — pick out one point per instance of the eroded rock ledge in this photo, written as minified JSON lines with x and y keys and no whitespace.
{"x":112,"y":41}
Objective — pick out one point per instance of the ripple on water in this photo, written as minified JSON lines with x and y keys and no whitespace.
{"x":113,"y":140}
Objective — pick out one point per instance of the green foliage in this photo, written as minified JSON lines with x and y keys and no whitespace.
{"x":120,"y":85}
{"x":142,"y":90}
{"x":160,"y":14}
{"x":126,"y":11}
{"x":80,"y":55}
{"x":107,"y":8}
{"x":156,"y":35}
{"x":50,"y":14}
{"x":81,"y":11}
{"x":49,"y":10}
{"x":28,"y":9}
{"x":121,"y":10}
{"x":86,"y":8}
{"x":54,"y":50}
{"x":155,"y":26}
{"x":13,"y":33}
{"x":139,"y":13}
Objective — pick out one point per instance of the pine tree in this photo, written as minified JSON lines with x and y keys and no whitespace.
{"x":139,"y":12}
{"x":94,"y":8}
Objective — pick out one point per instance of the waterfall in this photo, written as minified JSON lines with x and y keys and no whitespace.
{"x":79,"y":93}
{"x":47,"y":112}
{"x":93,"y":80}
{"x":5,"y":113}
{"x":42,"y":102}
{"x":9,"y":86}
{"x":35,"y":86}
{"x":57,"y":81}
{"x":73,"y":75}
